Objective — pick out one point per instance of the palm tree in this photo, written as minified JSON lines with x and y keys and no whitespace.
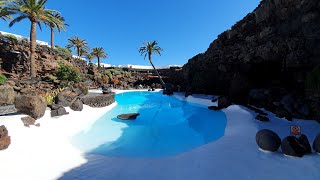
{"x":3,"y":14}
{"x":148,"y":49}
{"x":79,"y":44}
{"x":83,"y":51}
{"x":99,"y":53}
{"x":35,"y":11}
{"x":59,"y":23}
{"x":90,"y":57}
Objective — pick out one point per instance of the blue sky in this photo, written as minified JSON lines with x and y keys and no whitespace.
{"x":182,"y":28}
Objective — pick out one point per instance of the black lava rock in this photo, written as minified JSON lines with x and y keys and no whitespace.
{"x":224,"y":102}
{"x":262,"y":118}
{"x":292,"y":147}
{"x":268,"y":140}
{"x":168,"y":91}
{"x":77,"y":105}
{"x":316,"y":144}
{"x":214,"y":108}
{"x":59,"y":112}
{"x":303,"y":139}
{"x":256,"y":110}
{"x":131,"y":116}
{"x":55,"y":106}
{"x":215,"y":99}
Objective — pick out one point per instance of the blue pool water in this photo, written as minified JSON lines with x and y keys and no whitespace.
{"x":167,"y":126}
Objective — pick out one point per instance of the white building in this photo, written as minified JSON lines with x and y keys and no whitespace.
{"x":19,"y":37}
{"x":146,"y":67}
{"x":77,"y":57}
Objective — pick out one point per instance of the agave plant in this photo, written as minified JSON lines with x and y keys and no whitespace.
{"x":35,"y":11}
{"x":147,"y":50}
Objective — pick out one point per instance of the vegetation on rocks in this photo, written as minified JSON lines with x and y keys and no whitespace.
{"x":3,"y":79}
{"x":11,"y":37}
{"x":50,"y":96}
{"x":68,"y":73}
{"x":65,"y":53}
{"x":35,"y":11}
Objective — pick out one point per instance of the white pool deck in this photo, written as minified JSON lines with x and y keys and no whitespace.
{"x":41,"y":153}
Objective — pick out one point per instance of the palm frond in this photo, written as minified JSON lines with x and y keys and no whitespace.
{"x":149,"y":48}
{"x":99,"y":52}
{"x":77,"y":43}
{"x":17,"y":19}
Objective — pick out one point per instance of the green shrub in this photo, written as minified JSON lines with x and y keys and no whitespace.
{"x":128,"y":74}
{"x":50,"y":96}
{"x":115,"y":72}
{"x":313,"y":80}
{"x":108,"y":73}
{"x":65,"y":53}
{"x":11,"y":37}
{"x":68,"y":73}
{"x":3,"y":79}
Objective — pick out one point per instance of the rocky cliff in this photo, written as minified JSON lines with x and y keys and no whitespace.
{"x":275,"y":46}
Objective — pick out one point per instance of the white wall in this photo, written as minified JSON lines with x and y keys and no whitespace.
{"x":19,"y":37}
{"x":146,"y":67}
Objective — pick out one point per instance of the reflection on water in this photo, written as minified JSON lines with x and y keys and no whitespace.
{"x":166,"y":126}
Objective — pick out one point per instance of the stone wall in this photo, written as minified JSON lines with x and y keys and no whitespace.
{"x":98,"y":100}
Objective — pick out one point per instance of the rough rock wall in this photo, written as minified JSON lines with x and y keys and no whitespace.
{"x":14,"y":58}
{"x":276,"y":45}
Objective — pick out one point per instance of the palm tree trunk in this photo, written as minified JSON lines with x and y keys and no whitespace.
{"x":162,"y":82}
{"x":33,"y":44}
{"x":52,"y":37}
{"x":98,"y":61}
{"x":78,"y":51}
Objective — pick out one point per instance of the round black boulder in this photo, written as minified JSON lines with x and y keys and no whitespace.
{"x":316,"y":144}
{"x":268,"y":140}
{"x":292,"y":147}
{"x":303,"y":139}
{"x":224,"y":102}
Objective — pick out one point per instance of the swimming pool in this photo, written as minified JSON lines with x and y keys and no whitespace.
{"x":166,"y":126}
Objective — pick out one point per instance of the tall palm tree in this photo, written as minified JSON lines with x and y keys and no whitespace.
{"x":90,"y":57}
{"x":79,"y":44}
{"x":35,"y":11}
{"x":147,"y":50}
{"x":99,"y":53}
{"x":59,"y":23}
